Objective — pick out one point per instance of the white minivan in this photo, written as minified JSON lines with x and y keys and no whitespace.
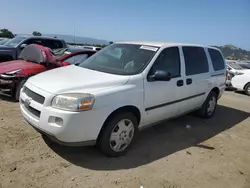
{"x":122,"y":88}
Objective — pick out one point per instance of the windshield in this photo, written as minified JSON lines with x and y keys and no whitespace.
{"x":15,"y":41}
{"x":2,"y":41}
{"x":245,"y":66}
{"x":234,"y":65}
{"x":121,"y":59}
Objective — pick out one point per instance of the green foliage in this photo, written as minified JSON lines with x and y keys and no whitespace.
{"x":6,"y":33}
{"x":233,"y":53}
{"x":37,"y":33}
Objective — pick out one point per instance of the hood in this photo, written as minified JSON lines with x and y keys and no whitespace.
{"x":75,"y":79}
{"x":16,"y":65}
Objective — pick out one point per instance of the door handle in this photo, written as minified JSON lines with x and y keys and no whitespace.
{"x":180,"y":83}
{"x":189,"y":81}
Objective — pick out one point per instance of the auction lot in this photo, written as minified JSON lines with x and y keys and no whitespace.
{"x":211,"y":153}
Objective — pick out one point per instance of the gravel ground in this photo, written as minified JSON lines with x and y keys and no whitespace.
{"x":212,"y":153}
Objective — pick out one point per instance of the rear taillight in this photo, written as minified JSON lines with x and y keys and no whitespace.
{"x":226,"y":76}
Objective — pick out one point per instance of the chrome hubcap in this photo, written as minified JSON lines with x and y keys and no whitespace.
{"x":248,"y":89}
{"x":121,"y":135}
{"x":211,"y":105}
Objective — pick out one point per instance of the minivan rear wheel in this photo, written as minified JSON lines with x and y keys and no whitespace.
{"x":118,"y":134}
{"x":209,"y":106}
{"x":247,"y":89}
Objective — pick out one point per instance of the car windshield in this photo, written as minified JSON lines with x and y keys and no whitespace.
{"x":245,"y":65}
{"x":2,"y":41}
{"x":121,"y":59}
{"x":234,"y":65}
{"x":15,"y":41}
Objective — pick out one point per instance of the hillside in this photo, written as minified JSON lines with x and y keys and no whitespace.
{"x":234,"y":53}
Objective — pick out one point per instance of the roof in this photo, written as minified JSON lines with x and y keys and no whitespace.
{"x":42,"y":37}
{"x":161,"y":44}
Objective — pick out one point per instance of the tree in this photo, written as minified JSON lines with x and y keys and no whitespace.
{"x":111,"y":42}
{"x":37,"y":33}
{"x":6,"y":33}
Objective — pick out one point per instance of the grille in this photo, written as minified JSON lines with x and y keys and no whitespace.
{"x":31,"y":110}
{"x":36,"y":97}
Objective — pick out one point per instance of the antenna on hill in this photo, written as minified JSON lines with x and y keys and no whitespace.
{"x":74,"y":33}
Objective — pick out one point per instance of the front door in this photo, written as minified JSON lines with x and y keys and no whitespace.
{"x":161,"y":97}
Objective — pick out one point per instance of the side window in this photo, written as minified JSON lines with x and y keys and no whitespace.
{"x":52,"y":44}
{"x":217,"y":60}
{"x":195,"y":60}
{"x":28,"y":42}
{"x":76,"y":59}
{"x":168,"y":61}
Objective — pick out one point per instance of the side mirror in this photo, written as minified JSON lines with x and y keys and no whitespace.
{"x":23,"y":46}
{"x":159,"y":75}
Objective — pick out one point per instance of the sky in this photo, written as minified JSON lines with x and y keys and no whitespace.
{"x":209,"y":22}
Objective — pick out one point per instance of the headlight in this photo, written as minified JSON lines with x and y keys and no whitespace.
{"x":74,"y":101}
{"x":11,"y":73}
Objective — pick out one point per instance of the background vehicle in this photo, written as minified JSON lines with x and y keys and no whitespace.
{"x":242,"y":82}
{"x":12,"y":48}
{"x":234,"y":68}
{"x":108,"y":98}
{"x":15,"y":73}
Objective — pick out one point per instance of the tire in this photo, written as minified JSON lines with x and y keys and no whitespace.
{"x":247,"y":89}
{"x":113,"y":146}
{"x":209,"y":106}
{"x":18,"y":89}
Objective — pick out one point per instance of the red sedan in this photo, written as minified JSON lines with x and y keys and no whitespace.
{"x":35,"y":59}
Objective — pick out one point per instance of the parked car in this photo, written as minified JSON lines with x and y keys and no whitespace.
{"x":107,"y":99}
{"x":15,"y":73}
{"x":235,"y":69}
{"x":11,"y":49}
{"x":242,"y":83}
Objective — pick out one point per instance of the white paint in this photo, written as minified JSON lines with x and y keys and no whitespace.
{"x":114,"y":91}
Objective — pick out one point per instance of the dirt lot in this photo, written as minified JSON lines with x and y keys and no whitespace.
{"x":212,"y":153}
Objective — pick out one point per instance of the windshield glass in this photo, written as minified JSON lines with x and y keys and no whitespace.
{"x":13,"y":42}
{"x":121,"y":59}
{"x":2,"y":41}
{"x":234,"y":65}
{"x":245,"y":65}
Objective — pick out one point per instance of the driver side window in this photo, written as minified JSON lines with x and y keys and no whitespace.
{"x":168,"y":61}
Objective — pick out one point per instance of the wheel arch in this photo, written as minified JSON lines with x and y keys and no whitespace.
{"x":246,"y":85}
{"x":129,"y":108}
{"x":216,"y":90}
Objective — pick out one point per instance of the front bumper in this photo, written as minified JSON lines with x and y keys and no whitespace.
{"x":6,"y":83}
{"x":73,"y":129}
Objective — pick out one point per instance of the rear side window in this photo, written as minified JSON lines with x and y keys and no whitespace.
{"x":195,"y":60}
{"x":217,"y":59}
{"x":53,"y":44}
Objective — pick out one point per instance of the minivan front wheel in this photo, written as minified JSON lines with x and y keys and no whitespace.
{"x":118,"y":134}
{"x":209,"y":106}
